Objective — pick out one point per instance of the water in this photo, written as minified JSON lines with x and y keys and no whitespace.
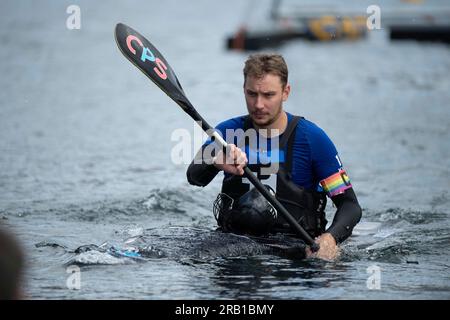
{"x":85,"y":156}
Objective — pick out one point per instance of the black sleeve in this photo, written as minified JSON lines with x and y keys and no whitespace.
{"x":347,"y":215}
{"x":200,"y":173}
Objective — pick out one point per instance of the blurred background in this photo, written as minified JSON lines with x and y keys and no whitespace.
{"x":86,"y":139}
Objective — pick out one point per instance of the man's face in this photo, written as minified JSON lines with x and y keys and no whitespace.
{"x":264,"y":97}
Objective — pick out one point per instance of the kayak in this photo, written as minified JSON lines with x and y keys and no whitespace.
{"x":181,"y":243}
{"x":284,"y":245}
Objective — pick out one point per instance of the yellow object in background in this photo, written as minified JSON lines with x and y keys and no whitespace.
{"x":328,"y":28}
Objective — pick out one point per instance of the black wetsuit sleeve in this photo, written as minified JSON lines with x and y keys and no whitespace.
{"x":347,"y":215}
{"x":200,"y":173}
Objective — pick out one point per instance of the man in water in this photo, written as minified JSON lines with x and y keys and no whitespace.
{"x":292,"y":156}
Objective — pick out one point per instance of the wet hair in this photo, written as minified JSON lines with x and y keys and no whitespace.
{"x":11,"y":264}
{"x":260,"y":64}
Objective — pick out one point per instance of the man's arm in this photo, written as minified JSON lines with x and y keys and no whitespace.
{"x":335,"y":182}
{"x":200,"y":172}
{"x":347,"y":215}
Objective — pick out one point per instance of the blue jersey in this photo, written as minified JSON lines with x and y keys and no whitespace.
{"x":315,"y":161}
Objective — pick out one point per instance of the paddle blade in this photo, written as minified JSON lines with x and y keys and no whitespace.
{"x":151,"y":62}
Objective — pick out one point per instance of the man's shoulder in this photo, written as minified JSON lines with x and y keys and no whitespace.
{"x":308,"y":128}
{"x":318,"y":140}
{"x":309,"y":133}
